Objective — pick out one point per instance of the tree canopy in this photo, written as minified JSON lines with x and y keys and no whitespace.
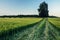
{"x":43,"y":10}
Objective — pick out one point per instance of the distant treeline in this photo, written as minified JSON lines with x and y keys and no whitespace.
{"x":53,"y":17}
{"x":14,"y":16}
{"x":19,"y":16}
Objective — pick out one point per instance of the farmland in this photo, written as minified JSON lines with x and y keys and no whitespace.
{"x":12,"y":23}
{"x":55,"y":21}
{"x":55,"y":27}
{"x":29,"y":28}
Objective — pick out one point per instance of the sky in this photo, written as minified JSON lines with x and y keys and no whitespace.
{"x":28,"y":7}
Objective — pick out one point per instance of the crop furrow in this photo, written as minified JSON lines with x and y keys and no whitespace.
{"x":35,"y":32}
{"x":55,"y":33}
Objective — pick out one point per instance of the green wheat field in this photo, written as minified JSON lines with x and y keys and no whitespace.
{"x":29,"y":28}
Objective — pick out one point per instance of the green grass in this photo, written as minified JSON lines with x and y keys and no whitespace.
{"x":12,"y":23}
{"x":55,"y":21}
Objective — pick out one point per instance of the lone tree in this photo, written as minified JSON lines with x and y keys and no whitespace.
{"x":43,"y":10}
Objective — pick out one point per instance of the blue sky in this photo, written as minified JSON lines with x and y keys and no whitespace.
{"x":28,"y":7}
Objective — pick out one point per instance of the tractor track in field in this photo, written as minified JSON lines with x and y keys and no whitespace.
{"x":54,"y":33}
{"x":30,"y":33}
{"x":43,"y":30}
{"x":23,"y":35}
